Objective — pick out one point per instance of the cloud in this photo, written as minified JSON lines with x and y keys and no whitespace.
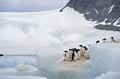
{"x":30,"y":5}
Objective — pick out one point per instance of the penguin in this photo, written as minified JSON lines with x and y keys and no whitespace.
{"x":105,"y":40}
{"x":71,"y":51}
{"x":66,"y":56}
{"x":79,"y":54}
{"x":75,"y":53}
{"x":112,"y":40}
{"x":1,"y":55}
{"x":97,"y":41}
{"x":82,"y":50}
{"x":86,"y":54}
{"x":73,"y":56}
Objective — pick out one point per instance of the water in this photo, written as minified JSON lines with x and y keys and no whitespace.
{"x":49,"y":72}
{"x":82,"y":73}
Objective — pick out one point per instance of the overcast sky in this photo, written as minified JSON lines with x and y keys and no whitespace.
{"x":30,"y":5}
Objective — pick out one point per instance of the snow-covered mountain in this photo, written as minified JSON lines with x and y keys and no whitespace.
{"x":107,"y":11}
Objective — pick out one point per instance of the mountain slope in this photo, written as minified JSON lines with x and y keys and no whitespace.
{"x":47,"y":32}
{"x":107,"y":11}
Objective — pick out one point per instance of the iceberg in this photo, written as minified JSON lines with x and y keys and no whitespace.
{"x":109,"y":75}
{"x":105,"y":58}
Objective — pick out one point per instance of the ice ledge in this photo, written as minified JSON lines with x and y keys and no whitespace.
{"x":105,"y":57}
{"x":109,"y":75}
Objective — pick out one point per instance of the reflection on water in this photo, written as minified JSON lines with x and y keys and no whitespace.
{"x":84,"y":73}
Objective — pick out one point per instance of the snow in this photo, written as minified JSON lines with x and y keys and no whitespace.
{"x":109,"y":75}
{"x":20,"y":77}
{"x":105,"y":57}
{"x":26,"y":33}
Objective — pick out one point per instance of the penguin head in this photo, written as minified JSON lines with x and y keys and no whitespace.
{"x":85,"y":48}
{"x":65,"y":51}
{"x":104,"y":39}
{"x":112,"y":37}
{"x":81,"y":45}
{"x":89,"y":44}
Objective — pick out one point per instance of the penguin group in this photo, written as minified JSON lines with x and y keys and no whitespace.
{"x":105,"y":40}
{"x":75,"y":54}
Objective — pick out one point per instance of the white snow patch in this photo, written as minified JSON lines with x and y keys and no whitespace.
{"x":109,"y":75}
{"x":105,"y":57}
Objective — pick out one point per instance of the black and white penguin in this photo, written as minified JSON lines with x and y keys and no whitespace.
{"x":112,"y":40}
{"x":71,"y":51}
{"x":66,"y":56}
{"x":86,"y":54}
{"x":75,"y":53}
{"x":82,"y":50}
{"x":73,"y":56}
{"x":105,"y":40}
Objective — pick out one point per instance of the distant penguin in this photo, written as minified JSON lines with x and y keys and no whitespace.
{"x":105,"y":40}
{"x":82,"y":50}
{"x":1,"y":55}
{"x":78,"y":54}
{"x":66,"y":56}
{"x":75,"y":53}
{"x":73,"y":56}
{"x":112,"y":40}
{"x":86,"y":54}
{"x":97,"y":41}
{"x":89,"y":44}
{"x":70,"y":54}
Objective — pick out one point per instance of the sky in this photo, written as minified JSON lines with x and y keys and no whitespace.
{"x":30,"y":5}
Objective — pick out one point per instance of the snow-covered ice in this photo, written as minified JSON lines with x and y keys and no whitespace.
{"x":105,"y":57}
{"x":109,"y":75}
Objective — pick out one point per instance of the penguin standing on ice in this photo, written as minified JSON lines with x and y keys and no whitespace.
{"x":71,"y":51}
{"x":86,"y":54}
{"x":105,"y":40}
{"x":82,"y":50}
{"x":112,"y":40}
{"x":66,"y":56}
{"x":75,"y":53}
{"x":73,"y":56}
{"x":78,"y":54}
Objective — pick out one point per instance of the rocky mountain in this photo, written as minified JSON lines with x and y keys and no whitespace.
{"x":107,"y":11}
